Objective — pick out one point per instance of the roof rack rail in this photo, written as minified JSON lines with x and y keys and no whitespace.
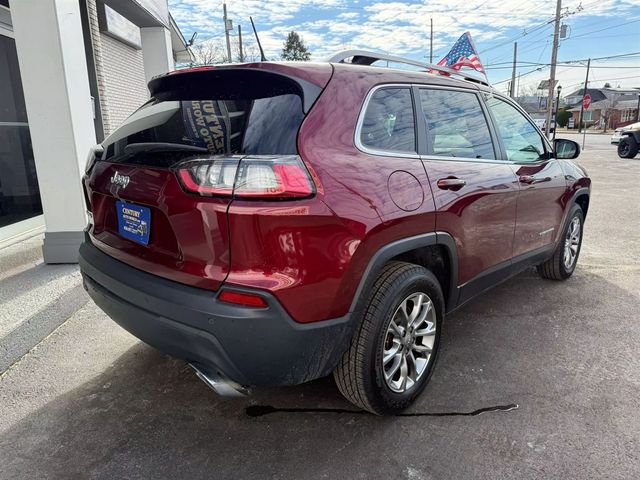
{"x":364,"y":57}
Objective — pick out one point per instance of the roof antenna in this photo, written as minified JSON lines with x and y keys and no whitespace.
{"x":262,"y":57}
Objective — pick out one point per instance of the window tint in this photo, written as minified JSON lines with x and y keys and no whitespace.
{"x":388,"y":121}
{"x":456,"y":124}
{"x":520,"y":138}
{"x":253,"y":126}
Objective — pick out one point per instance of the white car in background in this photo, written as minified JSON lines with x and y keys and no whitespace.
{"x":541,"y":124}
{"x":617,"y":134}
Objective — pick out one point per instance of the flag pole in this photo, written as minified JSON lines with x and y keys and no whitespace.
{"x":473,"y":44}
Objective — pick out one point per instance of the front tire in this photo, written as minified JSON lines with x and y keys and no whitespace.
{"x":627,"y":147}
{"x":565,"y":257}
{"x":393,"y":352}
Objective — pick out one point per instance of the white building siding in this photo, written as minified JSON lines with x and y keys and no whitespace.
{"x":124,"y":81}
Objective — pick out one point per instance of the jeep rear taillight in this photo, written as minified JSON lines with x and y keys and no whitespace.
{"x":275,"y":177}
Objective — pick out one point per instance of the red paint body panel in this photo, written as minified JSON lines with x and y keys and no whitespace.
{"x":189,"y":240}
{"x":298,"y":251}
{"x":481,"y":216}
{"x":540,"y":206}
{"x":316,"y":73}
{"x":354,"y":185}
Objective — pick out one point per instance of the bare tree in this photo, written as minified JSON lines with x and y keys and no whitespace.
{"x":207,"y":52}
{"x":606,"y":109}
{"x":249,"y":51}
{"x":529,"y":90}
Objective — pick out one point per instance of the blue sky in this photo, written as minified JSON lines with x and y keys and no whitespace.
{"x":595,"y":29}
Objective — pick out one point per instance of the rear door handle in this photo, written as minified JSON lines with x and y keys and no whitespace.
{"x":526,"y":179}
{"x":530,"y":179}
{"x":451,"y":183}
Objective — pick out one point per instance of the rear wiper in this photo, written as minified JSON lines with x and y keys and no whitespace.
{"x":162,"y":147}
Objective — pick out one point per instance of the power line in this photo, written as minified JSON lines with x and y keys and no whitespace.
{"x":573,"y":61}
{"x":511,"y":40}
{"x":608,"y":57}
{"x":606,"y":28}
{"x":609,"y":79}
{"x":566,"y":66}
{"x":566,"y":13}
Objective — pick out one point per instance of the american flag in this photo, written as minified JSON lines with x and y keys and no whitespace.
{"x":463,"y":54}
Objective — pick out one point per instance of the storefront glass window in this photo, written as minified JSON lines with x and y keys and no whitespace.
{"x":19,"y":192}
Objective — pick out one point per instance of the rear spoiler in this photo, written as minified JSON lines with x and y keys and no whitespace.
{"x":231,"y":82}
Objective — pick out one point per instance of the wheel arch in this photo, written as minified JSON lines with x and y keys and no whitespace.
{"x":435,"y":251}
{"x":582,"y":199}
{"x":634,"y":134}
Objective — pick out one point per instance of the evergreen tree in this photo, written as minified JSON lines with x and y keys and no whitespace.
{"x":294,"y":48}
{"x":562,"y":118}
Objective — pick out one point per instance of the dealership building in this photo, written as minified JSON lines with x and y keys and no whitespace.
{"x":70,"y":72}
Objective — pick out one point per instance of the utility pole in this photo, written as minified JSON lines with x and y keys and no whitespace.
{"x":431,"y":43}
{"x":554,"y":60}
{"x":240,"y":43}
{"x":584,"y":92}
{"x":226,"y":31}
{"x":513,"y":72}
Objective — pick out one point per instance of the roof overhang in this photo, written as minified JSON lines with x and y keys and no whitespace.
{"x":181,"y":50}
{"x":144,"y":13}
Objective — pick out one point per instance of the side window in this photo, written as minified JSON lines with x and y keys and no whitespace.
{"x":520,"y":138}
{"x":388,"y":122}
{"x":456,"y":124}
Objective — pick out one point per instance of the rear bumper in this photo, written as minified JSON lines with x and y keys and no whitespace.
{"x":251,"y":346}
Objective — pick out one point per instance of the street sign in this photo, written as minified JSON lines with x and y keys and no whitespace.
{"x":586,"y":101}
{"x":544,"y":84}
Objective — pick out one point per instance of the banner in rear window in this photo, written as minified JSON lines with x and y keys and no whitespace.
{"x":204,"y":123}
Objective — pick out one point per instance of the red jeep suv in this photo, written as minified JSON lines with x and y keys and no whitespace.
{"x":273,"y":223}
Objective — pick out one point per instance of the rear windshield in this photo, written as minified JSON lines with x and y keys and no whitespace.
{"x":211,"y":126}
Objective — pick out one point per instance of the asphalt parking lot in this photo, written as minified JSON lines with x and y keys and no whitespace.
{"x":92,"y":402}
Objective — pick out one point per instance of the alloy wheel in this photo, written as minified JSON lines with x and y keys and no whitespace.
{"x":572,"y":243}
{"x":408,"y":343}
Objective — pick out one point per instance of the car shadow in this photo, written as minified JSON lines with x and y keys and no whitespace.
{"x":148,"y":416}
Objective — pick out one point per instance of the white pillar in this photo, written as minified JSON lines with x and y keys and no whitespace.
{"x":53,"y":68}
{"x":157,"y":53}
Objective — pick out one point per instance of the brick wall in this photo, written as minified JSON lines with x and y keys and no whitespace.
{"x":614,"y":120}
{"x":595,"y":118}
{"x":120,"y":74}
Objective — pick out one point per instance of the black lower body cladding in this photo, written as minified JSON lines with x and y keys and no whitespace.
{"x":250,"y":346}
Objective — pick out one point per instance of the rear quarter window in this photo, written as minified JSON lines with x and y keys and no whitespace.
{"x":388,"y":123}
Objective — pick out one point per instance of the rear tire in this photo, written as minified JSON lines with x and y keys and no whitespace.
{"x":388,"y":338}
{"x":565,"y":257}
{"x":627,"y":147}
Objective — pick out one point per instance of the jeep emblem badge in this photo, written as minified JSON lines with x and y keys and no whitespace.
{"x":121,"y":180}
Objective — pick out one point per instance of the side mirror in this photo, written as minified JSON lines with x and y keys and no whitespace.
{"x":566,"y":149}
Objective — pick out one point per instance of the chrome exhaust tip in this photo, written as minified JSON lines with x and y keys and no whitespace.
{"x":220,"y":384}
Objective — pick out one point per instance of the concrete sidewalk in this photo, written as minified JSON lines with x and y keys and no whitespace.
{"x":35,"y":298}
